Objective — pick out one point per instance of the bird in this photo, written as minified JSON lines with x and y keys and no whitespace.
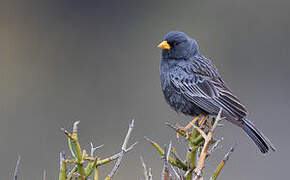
{"x":192,"y":85}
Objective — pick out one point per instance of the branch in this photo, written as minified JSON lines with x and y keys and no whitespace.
{"x":62,"y":166}
{"x":201,"y":145}
{"x":16,"y":170}
{"x":166,"y":175}
{"x":44,"y":175}
{"x":123,"y":151}
{"x":79,"y":156}
{"x":114,"y":157}
{"x":71,"y":148}
{"x":93,"y":149}
{"x":177,"y":175}
{"x":222,"y":163}
{"x":214,"y":146}
{"x":178,"y":130}
{"x":70,"y":174}
{"x":96,"y":175}
{"x":146,"y":174}
{"x":165,"y":171}
{"x":204,"y":151}
{"x":178,"y":163}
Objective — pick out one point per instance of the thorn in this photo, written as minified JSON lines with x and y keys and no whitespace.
{"x":75,"y":126}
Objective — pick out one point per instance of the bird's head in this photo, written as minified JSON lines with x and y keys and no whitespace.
{"x":177,"y":45}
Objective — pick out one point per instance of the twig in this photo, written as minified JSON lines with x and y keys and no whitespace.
{"x":114,"y":157}
{"x":93,"y":149}
{"x":178,"y":130}
{"x":177,"y":163}
{"x":123,"y":151}
{"x":44,"y":175}
{"x":187,"y":172}
{"x":215,"y":145}
{"x":75,"y":127}
{"x":125,"y":143}
{"x":71,"y":148}
{"x":96,"y":175}
{"x":166,"y":175}
{"x":197,"y":154}
{"x":176,"y":157}
{"x":144,"y":168}
{"x":165,"y":171}
{"x":70,"y":174}
{"x":150,"y":174}
{"x":90,"y":167}
{"x":62,"y":166}
{"x":222,"y":163}
{"x":201,"y":132}
{"x":79,"y":153}
{"x":178,"y":176}
{"x":16,"y":170}
{"x":204,"y":151}
{"x":168,"y":151}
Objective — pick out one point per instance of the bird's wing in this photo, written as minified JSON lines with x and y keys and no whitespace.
{"x":209,"y":93}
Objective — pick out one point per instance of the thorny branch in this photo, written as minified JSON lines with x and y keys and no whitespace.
{"x":174,"y":161}
{"x":204,"y":152}
{"x":147,"y":173}
{"x":85,"y":164}
{"x":200,"y":146}
{"x":222,"y":163}
{"x":124,"y":149}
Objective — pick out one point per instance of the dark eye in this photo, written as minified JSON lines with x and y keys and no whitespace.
{"x":173,"y":43}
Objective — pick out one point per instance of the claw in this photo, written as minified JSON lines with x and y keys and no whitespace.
{"x":180,"y":128}
{"x":187,"y":128}
{"x":202,"y":121}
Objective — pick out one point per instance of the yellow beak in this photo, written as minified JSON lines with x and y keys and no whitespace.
{"x":164,"y":45}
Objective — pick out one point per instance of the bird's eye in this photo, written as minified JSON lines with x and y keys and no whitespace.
{"x":173,"y":43}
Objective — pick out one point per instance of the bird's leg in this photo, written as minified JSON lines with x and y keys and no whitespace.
{"x":186,"y":128}
{"x":202,"y":121}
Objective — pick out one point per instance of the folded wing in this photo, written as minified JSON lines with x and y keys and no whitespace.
{"x":209,"y":93}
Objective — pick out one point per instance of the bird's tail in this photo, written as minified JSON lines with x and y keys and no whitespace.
{"x":258,"y":137}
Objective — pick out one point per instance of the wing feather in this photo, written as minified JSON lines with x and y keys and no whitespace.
{"x":209,"y":93}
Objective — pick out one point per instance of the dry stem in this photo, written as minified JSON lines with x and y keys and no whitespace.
{"x":124,"y":149}
{"x":204,"y":152}
{"x":16,"y":170}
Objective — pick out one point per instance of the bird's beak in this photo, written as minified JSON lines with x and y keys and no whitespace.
{"x":164,"y":45}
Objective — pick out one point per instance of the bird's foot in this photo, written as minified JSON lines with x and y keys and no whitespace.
{"x":187,"y":128}
{"x":202,"y":121}
{"x":182,"y":129}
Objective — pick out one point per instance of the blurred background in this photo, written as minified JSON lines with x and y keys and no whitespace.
{"x":97,"y":61}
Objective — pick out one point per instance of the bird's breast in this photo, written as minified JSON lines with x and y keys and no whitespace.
{"x":173,"y":96}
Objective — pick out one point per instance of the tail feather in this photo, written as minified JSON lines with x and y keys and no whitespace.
{"x":258,"y":137}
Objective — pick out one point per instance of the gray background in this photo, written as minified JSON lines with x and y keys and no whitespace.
{"x":97,"y":62}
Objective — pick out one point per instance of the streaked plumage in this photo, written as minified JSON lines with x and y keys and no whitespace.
{"x":192,"y":85}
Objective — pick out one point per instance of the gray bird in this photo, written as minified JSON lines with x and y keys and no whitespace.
{"x":192,"y":85}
